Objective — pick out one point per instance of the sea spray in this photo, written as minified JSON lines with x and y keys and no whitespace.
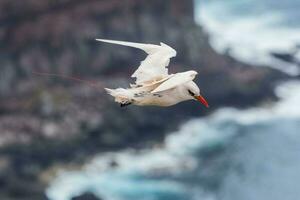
{"x":174,"y":170}
{"x":250,"y":30}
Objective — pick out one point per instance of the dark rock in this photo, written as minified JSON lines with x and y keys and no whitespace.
{"x":287,"y":57}
{"x":45,"y":121}
{"x":113,"y":163}
{"x":86,"y":196}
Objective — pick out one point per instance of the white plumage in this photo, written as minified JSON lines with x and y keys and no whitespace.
{"x":154,"y":85}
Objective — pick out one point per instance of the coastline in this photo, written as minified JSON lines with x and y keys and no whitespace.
{"x":200,"y":155}
{"x":99,"y":125}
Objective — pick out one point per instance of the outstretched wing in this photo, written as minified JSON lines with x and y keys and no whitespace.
{"x":175,"y":80}
{"x":153,"y":68}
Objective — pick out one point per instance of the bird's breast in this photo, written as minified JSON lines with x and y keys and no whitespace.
{"x":156,"y":99}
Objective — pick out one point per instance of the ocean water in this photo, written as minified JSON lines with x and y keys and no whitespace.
{"x":250,"y":30}
{"x":230,"y":155}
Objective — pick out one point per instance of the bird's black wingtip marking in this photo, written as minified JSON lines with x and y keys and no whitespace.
{"x":124,"y":104}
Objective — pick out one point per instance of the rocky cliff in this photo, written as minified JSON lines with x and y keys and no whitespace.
{"x":46,"y":121}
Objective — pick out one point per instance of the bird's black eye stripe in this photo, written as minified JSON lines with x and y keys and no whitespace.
{"x":191,"y":93}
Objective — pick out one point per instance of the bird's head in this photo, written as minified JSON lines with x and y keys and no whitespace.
{"x":193,"y":92}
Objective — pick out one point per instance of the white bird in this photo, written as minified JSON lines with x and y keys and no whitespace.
{"x":154,"y":86}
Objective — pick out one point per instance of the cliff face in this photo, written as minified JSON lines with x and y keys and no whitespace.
{"x":58,"y":37}
{"x":44,"y":121}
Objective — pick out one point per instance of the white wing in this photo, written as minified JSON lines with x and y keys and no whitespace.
{"x":175,"y":80}
{"x":153,"y":68}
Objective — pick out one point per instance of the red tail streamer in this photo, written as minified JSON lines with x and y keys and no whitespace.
{"x":90,"y":83}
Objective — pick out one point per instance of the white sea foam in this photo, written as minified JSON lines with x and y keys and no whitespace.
{"x":249,"y":38}
{"x":128,"y":180}
{"x":142,"y":174}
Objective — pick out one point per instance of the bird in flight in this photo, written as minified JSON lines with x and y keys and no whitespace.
{"x":154,"y":85}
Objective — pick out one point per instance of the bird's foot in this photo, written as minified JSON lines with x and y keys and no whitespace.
{"x":125,"y":104}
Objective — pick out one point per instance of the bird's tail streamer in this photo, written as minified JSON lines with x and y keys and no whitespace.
{"x":73,"y":78}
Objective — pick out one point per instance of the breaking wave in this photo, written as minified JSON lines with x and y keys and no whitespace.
{"x":250,"y":30}
{"x":179,"y":169}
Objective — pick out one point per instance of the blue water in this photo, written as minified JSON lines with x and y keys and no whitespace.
{"x":234,"y":9}
{"x":229,"y":155}
{"x":250,"y":30}
{"x":233,"y":154}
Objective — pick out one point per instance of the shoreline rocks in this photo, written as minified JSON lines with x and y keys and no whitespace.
{"x":48,"y":121}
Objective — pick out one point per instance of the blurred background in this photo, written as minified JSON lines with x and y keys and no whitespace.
{"x":63,"y":140}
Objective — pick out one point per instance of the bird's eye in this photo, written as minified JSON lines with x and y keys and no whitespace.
{"x":191,"y":93}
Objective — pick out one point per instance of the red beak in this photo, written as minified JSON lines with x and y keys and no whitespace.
{"x":202,"y":100}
